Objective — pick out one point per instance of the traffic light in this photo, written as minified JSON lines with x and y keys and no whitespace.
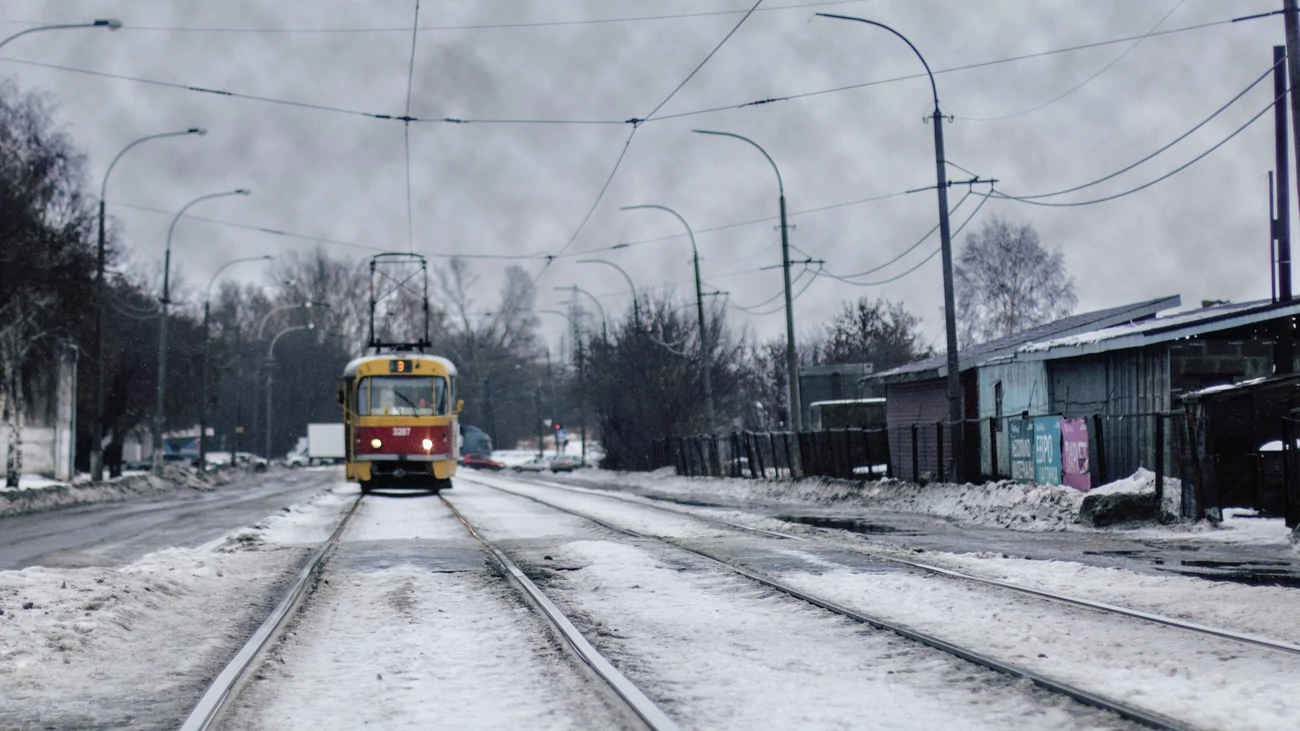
{"x":558,"y":427}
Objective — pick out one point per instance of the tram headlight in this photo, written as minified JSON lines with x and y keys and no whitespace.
{"x":427,"y":444}
{"x":376,"y":443}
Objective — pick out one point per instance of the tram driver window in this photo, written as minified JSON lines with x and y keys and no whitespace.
{"x":403,"y":396}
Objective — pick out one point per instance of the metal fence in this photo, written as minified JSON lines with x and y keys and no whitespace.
{"x":1117,"y":446}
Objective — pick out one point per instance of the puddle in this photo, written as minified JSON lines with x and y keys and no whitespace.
{"x":1212,"y":564}
{"x":854,"y":525}
{"x":1113,"y":553}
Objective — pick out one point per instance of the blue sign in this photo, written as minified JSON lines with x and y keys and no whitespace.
{"x":1047,"y":450}
{"x":561,"y":435}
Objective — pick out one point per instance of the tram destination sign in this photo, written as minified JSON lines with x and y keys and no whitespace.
{"x":401,"y":366}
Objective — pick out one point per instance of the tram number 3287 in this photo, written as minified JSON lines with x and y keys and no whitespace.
{"x":401,"y":431}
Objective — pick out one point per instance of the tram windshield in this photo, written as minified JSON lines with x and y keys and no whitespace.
{"x":402,"y":396}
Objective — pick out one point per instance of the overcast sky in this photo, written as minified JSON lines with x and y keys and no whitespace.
{"x":523,"y":189}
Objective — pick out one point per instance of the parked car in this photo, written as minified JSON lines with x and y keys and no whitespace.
{"x":536,"y":464}
{"x":477,"y":461}
{"x":565,"y":463}
{"x":257,"y":462}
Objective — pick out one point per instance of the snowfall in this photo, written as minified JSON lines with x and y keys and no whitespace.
{"x":410,"y":627}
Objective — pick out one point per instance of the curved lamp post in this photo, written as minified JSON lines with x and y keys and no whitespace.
{"x":97,"y":426}
{"x":706,"y":352}
{"x":636,"y":308}
{"x":791,"y":362}
{"x":604,"y":322}
{"x":158,"y":417}
{"x":270,"y":370}
{"x":108,"y":24}
{"x":955,"y":414}
{"x":207,"y":318}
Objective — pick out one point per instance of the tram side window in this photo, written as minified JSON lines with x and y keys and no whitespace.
{"x":402,"y":396}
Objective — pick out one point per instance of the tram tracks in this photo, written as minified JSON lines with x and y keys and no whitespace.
{"x":216,"y":704}
{"x":1105,"y":608}
{"x":1125,"y":710}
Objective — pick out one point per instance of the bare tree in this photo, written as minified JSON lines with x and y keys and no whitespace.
{"x":20,"y":329}
{"x":1007,"y":282}
{"x":882,"y":333}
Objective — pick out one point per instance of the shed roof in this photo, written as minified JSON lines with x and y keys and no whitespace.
{"x":937,"y":366}
{"x":1157,"y":330}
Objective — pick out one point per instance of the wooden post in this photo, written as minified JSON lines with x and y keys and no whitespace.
{"x":866,"y":450}
{"x":889,"y":453}
{"x":1101,"y":449}
{"x":916,"y":457}
{"x":938,"y":428}
{"x":993,"y":447}
{"x":1160,"y":464}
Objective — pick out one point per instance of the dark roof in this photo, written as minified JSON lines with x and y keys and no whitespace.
{"x":936,"y":367}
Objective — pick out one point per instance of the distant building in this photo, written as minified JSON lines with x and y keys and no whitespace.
{"x":843,"y":382}
{"x":474,"y":440}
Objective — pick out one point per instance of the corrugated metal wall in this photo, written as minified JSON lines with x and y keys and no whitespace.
{"x":924,"y":403}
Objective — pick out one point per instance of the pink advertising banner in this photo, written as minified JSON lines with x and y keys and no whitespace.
{"x":1074,"y":454}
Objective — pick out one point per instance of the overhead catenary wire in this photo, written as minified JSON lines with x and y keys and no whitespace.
{"x":635,"y":126}
{"x":1162,"y":149}
{"x":1086,"y":81}
{"x":906,"y":251}
{"x":984,"y":199}
{"x":578,"y":121}
{"x":462,"y":27}
{"x":1031,"y":200}
{"x":406,"y":131}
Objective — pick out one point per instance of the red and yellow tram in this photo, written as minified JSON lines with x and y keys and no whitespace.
{"x":400,"y":421}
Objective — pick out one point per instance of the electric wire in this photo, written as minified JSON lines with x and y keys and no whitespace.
{"x":1167,"y":146}
{"x":578,"y":122}
{"x":756,"y":305}
{"x":904,"y":252}
{"x":406,"y":132}
{"x":699,"y":66}
{"x":793,"y":298}
{"x":984,"y":199}
{"x":937,"y":72}
{"x":475,"y":26}
{"x":1144,"y":186}
{"x":1086,"y":81}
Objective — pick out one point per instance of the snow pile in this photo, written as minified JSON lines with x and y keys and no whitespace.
{"x":1004,"y":504}
{"x":59,"y":495}
{"x":303,"y":524}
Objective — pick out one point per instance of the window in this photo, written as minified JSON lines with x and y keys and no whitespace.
{"x":402,"y":396}
{"x":997,"y":404}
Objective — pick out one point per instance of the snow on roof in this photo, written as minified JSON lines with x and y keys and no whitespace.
{"x":1217,"y":388}
{"x":1175,"y":320}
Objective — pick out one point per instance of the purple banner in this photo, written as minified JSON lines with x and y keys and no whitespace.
{"x":1074,"y":454}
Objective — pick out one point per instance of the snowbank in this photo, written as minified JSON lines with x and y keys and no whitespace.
{"x":1005,"y":504}
{"x":49,"y":495}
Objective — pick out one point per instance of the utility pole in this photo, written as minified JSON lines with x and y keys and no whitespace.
{"x":1292,"y":22}
{"x":1284,"y":360}
{"x":582,"y":401}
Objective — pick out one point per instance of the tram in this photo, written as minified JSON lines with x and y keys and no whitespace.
{"x":400,"y":405}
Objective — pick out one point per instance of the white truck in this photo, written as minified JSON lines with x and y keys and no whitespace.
{"x":322,"y":445}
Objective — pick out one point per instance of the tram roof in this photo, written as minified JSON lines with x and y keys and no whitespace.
{"x":355,"y":363}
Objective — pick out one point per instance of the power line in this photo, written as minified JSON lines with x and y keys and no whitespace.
{"x":1170,"y":144}
{"x":906,"y":251}
{"x":951,"y":69}
{"x":476,"y":26}
{"x":694,"y":71}
{"x":738,"y":224}
{"x":984,"y":199}
{"x":574,"y":122}
{"x":406,"y":132}
{"x":1088,"y":80}
{"x":1171,"y":173}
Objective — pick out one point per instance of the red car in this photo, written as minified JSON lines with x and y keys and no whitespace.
{"x":480,"y":462}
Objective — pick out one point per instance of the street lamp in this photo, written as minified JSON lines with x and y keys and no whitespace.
{"x":110,"y":24}
{"x":261,"y":326}
{"x":207,"y":314}
{"x":955,"y":414}
{"x":706,"y":356}
{"x":791,"y":362}
{"x":636,"y":309}
{"x":604,"y":323}
{"x":162,"y":323}
{"x":97,"y":425}
{"x":270,"y":370}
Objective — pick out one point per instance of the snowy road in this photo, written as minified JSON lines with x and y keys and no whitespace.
{"x":110,"y":534}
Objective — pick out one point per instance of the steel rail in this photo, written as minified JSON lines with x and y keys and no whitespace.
{"x":1146,"y":718}
{"x":635,"y":700}
{"x":215,"y":701}
{"x":1243,"y":637}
